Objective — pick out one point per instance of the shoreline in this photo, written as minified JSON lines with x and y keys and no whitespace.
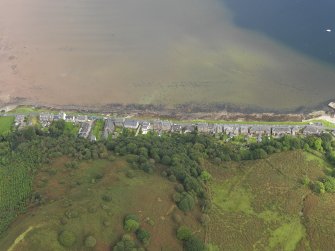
{"x":224,"y":112}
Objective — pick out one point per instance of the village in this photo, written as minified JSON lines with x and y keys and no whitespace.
{"x":112,"y":124}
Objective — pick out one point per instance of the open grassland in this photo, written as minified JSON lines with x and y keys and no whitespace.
{"x":263,"y":205}
{"x":6,"y":124}
{"x":73,"y":200}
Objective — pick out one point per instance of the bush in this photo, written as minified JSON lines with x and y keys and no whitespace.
{"x":67,"y":238}
{"x":107,"y":197}
{"x":90,"y":242}
{"x":131,"y":217}
{"x":186,"y":203}
{"x":172,"y":178}
{"x":131,"y":225}
{"x":204,"y":219}
{"x":184,"y":233}
{"x":143,"y":236}
{"x":194,"y":244}
{"x":319,"y":187}
{"x":177,"y":197}
{"x":177,"y":218}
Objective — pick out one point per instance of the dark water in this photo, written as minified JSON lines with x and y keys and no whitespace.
{"x":300,"y":24}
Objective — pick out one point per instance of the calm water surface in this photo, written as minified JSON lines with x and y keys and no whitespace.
{"x":271,"y":54}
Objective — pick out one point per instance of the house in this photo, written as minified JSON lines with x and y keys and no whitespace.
{"x":62,"y":115}
{"x":312,"y":130}
{"x":19,"y":121}
{"x":81,"y":118}
{"x":203,"y":128}
{"x":295,"y":130}
{"x":279,"y":131}
{"x":189,"y":128}
{"x":244,"y":130}
{"x":260,"y":130}
{"x":231,"y":130}
{"x":146,"y":126}
{"x":131,"y":124}
{"x":109,"y":127}
{"x":85,"y":129}
{"x":70,"y":118}
{"x":56,"y":117}
{"x":46,"y":119}
{"x":119,"y":122}
{"x":176,"y":128}
{"x":157,"y":125}
{"x":166,"y":126}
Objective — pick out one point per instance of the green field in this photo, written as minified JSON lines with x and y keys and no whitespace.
{"x":73,"y":200}
{"x":6,"y":124}
{"x":98,"y":128}
{"x":263,"y":205}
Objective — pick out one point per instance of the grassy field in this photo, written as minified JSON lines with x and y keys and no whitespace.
{"x":6,"y":124}
{"x":71,"y":128}
{"x":73,"y":200}
{"x":98,"y":128}
{"x":263,"y":205}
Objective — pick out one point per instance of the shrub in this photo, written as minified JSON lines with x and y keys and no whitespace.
{"x":131,"y":217}
{"x":179,"y":188}
{"x":194,"y":244}
{"x":329,"y":184}
{"x":177,"y":218}
{"x":67,"y":238}
{"x":90,"y":242}
{"x":205,"y":176}
{"x":177,"y":197}
{"x":184,"y":233}
{"x":131,"y":225}
{"x":143,"y":236}
{"x":319,"y":187}
{"x":107,"y":197}
{"x":172,"y":178}
{"x":187,"y":202}
{"x":204,"y":219}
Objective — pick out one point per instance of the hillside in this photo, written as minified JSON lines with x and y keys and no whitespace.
{"x":189,"y":192}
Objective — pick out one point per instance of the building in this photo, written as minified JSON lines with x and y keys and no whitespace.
{"x":312,"y":130}
{"x":166,"y":126}
{"x":85,"y":129}
{"x":131,"y":124}
{"x":81,"y":118}
{"x":46,"y":119}
{"x":280,"y":131}
{"x":20,"y":121}
{"x":157,"y":125}
{"x":189,"y":128}
{"x":146,"y":126}
{"x":203,"y":128}
{"x":70,"y":118}
{"x":119,"y":122}
{"x":260,"y":130}
{"x":176,"y":128}
{"x":244,"y":130}
{"x":109,"y":128}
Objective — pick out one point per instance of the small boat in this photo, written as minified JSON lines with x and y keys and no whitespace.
{"x":329,"y":30}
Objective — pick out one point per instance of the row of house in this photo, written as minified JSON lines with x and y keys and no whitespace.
{"x":168,"y":126}
{"x":229,"y":129}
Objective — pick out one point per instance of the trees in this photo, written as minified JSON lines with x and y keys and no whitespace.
{"x":187,"y":202}
{"x":183,"y":233}
{"x":194,"y":244}
{"x":143,"y":236}
{"x":90,"y":242}
{"x":67,"y":238}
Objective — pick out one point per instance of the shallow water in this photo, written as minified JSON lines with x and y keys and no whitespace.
{"x":151,"y":51}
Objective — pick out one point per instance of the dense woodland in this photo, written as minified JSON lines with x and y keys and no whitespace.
{"x":178,"y":157}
